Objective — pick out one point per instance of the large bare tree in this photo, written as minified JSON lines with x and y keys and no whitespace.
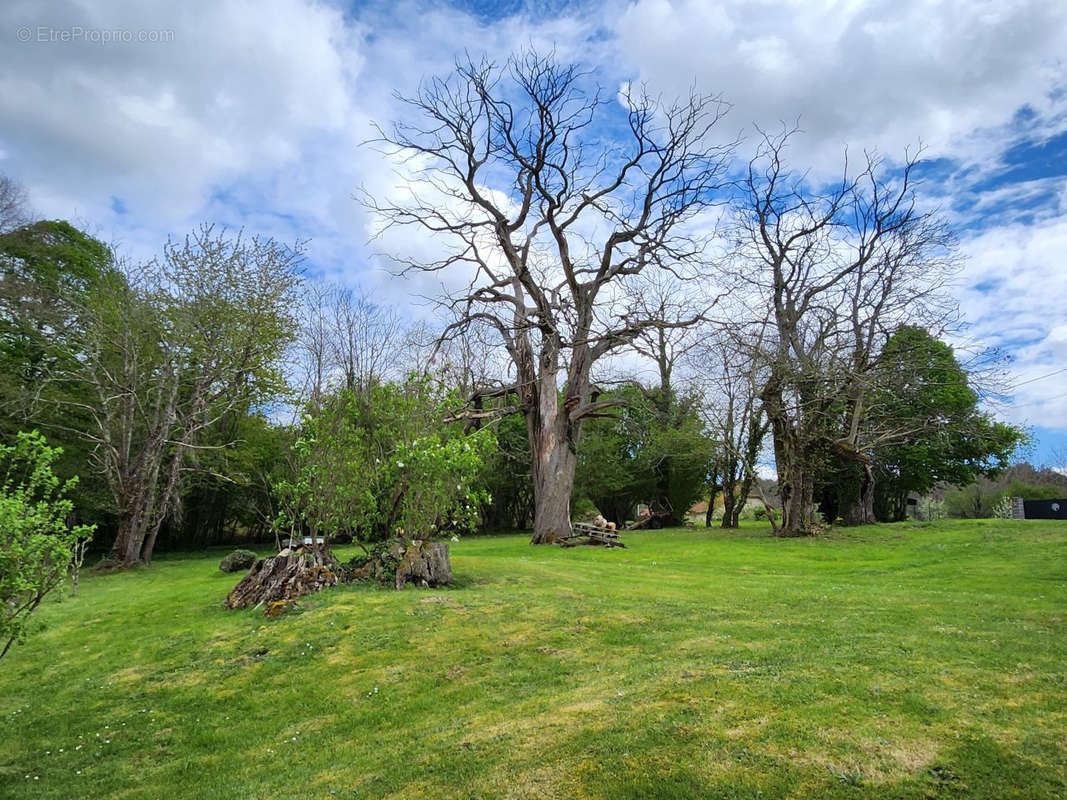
{"x":547,"y":200}
{"x":832,"y":273}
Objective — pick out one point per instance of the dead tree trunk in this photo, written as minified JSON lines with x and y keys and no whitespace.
{"x":554,"y":463}
{"x":424,"y":564}
{"x":554,"y":429}
{"x":277,"y":581}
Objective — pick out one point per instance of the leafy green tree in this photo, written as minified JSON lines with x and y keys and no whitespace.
{"x":976,"y":500}
{"x":383,"y":461}
{"x":48,"y":271}
{"x":229,"y":496}
{"x":615,"y":459}
{"x":644,"y":453}
{"x":944,"y":438}
{"x":171,"y":350}
{"x":36,"y":542}
{"x":506,"y":476}
{"x":683,"y":453}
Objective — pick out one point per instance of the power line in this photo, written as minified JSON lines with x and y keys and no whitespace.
{"x":1040,"y":377}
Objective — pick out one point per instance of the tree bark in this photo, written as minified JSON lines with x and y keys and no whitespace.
{"x":796,"y":490}
{"x":554,"y":441}
{"x":553,"y":476}
{"x":425,"y":564}
{"x":280,"y":579}
{"x":729,"y":501}
{"x":796,"y":483}
{"x":709,"y":514}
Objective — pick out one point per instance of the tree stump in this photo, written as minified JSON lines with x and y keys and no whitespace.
{"x":278,"y":580}
{"x":424,"y":563}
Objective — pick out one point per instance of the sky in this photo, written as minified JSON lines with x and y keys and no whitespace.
{"x":139,"y":119}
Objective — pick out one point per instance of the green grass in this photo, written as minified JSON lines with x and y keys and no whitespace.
{"x":895,"y":661}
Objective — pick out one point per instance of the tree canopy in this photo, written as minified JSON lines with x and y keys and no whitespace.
{"x":645,"y":453}
{"x":923,"y":390}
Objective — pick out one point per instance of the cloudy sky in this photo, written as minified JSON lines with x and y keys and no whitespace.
{"x":138,"y":119}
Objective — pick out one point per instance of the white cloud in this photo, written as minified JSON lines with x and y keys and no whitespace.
{"x":240,"y":89}
{"x":1020,"y":308}
{"x":868,"y":74}
{"x":254,"y":112}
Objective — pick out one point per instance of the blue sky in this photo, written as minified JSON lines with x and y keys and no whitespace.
{"x":253,"y":113}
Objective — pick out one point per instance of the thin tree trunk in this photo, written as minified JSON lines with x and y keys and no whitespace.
{"x":170,"y":496}
{"x":709,"y":514}
{"x":729,"y":501}
{"x":742,"y":499}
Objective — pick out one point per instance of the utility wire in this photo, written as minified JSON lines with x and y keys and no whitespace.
{"x":1040,"y":378}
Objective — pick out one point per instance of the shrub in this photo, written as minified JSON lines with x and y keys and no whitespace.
{"x":36,"y":542}
{"x":385,"y":461}
{"x":238,"y":560}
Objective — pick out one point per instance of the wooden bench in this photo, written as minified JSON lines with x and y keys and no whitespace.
{"x":593,"y":533}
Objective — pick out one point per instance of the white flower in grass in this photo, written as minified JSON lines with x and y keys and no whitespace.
{"x":455,"y":538}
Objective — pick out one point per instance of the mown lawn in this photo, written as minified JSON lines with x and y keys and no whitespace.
{"x":893,"y":661}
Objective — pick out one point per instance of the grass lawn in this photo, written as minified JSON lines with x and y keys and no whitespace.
{"x":895,"y":661}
